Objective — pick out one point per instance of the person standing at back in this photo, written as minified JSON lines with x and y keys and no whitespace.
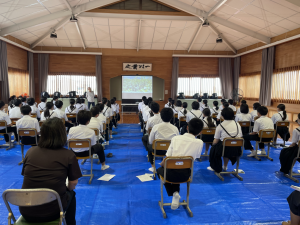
{"x":90,"y":97}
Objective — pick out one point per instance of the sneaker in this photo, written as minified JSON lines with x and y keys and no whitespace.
{"x":95,"y":156}
{"x":114,"y":132}
{"x":151,"y":169}
{"x":211,"y":169}
{"x":114,"y":126}
{"x":253,"y":153}
{"x":175,"y":201}
{"x":110,"y":136}
{"x":263,"y":152}
{"x":224,"y":168}
{"x":104,"y":167}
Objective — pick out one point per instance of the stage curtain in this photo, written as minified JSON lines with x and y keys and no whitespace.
{"x":99,"y":77}
{"x":236,"y":72}
{"x":18,"y":81}
{"x":43,"y":67}
{"x":4,"y":72}
{"x":174,"y":81}
{"x":226,"y":76}
{"x":250,"y":85}
{"x":31,"y":74}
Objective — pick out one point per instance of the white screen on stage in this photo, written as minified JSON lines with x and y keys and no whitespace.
{"x":135,"y":87}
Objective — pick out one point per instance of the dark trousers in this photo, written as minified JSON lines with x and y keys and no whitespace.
{"x":150,"y":151}
{"x":141,"y":120}
{"x":174,"y":176}
{"x":248,"y":138}
{"x":145,"y":141}
{"x":29,"y":140}
{"x":10,"y":129}
{"x":91,"y":103}
{"x":96,"y":149}
{"x":71,"y":208}
{"x":68,"y":125}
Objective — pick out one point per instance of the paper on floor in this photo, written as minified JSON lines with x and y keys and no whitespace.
{"x":145,"y":177}
{"x":240,"y":171}
{"x":106,"y":177}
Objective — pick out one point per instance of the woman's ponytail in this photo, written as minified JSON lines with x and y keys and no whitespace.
{"x":210,"y":122}
{"x":282,"y":108}
{"x":49,"y":106}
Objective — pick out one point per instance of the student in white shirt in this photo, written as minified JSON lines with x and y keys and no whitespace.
{"x":228,"y":128}
{"x":152,"y":121}
{"x":15,"y":112}
{"x":169,"y":104}
{"x":164,"y":131}
{"x":11,"y":102}
{"x":238,"y":111}
{"x":200,"y":104}
{"x":71,"y":109}
{"x":215,"y":109}
{"x":182,"y":113}
{"x":61,"y":114}
{"x":222,"y":106}
{"x":140,"y":108}
{"x":83,"y":132}
{"x":183,"y":145}
{"x":107,"y":111}
{"x":204,"y":105}
{"x":243,"y":116}
{"x":78,"y":105}
{"x":141,"y":103}
{"x":225,"y":105}
{"x":114,"y":111}
{"x":42,"y":105}
{"x":28,"y":122}
{"x":117,"y":106}
{"x":49,"y":112}
{"x":102,"y":120}
{"x":85,"y":107}
{"x":287,"y":155}
{"x":34,"y":109}
{"x":194,"y":113}
{"x":278,"y":117}
{"x":55,"y":98}
{"x":95,"y":123}
{"x":230,"y":101}
{"x":263,"y":122}
{"x":176,"y":110}
{"x":254,"y":112}
{"x":5,"y":117}
{"x":145,"y":111}
{"x":208,"y":123}
{"x":23,"y":99}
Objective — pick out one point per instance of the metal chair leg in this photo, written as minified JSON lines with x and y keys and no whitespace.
{"x":219,"y":175}
{"x":256,"y":148}
{"x":237,"y":170}
{"x":83,"y":161}
{"x":22,"y":152}
{"x":188,"y":200}
{"x":161,"y":202}
{"x":92,"y":175}
{"x":268,"y":156}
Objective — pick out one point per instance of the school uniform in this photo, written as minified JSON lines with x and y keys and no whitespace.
{"x":28,"y":122}
{"x":205,"y":137}
{"x":243,"y":117}
{"x":79,"y":106}
{"x":24,"y":103}
{"x":85,"y":107}
{"x":145,"y":111}
{"x":42,"y":106}
{"x":287,"y":155}
{"x":107,"y":112}
{"x":202,"y":107}
{"x":213,"y":110}
{"x":61,"y":114}
{"x":181,"y":114}
{"x":238,"y":111}
{"x":140,"y":106}
{"x":52,"y":113}
{"x":96,"y":124}
{"x":219,"y":115}
{"x":84,"y":132}
{"x":232,"y":107}
{"x":152,"y":121}
{"x":260,"y":124}
{"x":54,"y":104}
{"x":10,"y":107}
{"x":193,"y":114}
{"x":164,"y":131}
{"x":221,"y":107}
{"x":282,"y":131}
{"x":184,"y":145}
{"x":15,"y":112}
{"x":228,"y":128}
{"x":35,"y":110}
{"x":168,"y":105}
{"x":73,"y":110}
{"x":5,"y":117}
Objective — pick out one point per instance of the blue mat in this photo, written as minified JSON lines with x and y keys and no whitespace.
{"x":259,"y":199}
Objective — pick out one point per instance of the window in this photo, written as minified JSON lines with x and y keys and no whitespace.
{"x":286,"y":85}
{"x":18,"y":81}
{"x":250,"y":85}
{"x":192,"y":85}
{"x":66,"y":83}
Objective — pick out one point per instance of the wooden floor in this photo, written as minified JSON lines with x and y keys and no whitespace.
{"x":132,"y":118}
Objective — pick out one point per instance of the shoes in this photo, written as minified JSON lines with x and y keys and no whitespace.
{"x":95,"y":156}
{"x":114,"y":132}
{"x":224,"y":168}
{"x":109,"y":155}
{"x":175,"y":201}
{"x":211,"y":169}
{"x":253,"y":153}
{"x":263,"y":152}
{"x":151,"y":169}
{"x":104,"y":167}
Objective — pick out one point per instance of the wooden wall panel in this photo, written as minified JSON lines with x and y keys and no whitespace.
{"x":251,"y":62}
{"x":205,"y":66}
{"x":36,"y":78}
{"x":72,"y":63}
{"x":287,"y":54}
{"x":16,"y":57}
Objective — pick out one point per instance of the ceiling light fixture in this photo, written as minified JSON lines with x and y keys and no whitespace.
{"x":205,"y":23}
{"x":53,"y":35}
{"x":219,"y":39}
{"x":73,"y":19}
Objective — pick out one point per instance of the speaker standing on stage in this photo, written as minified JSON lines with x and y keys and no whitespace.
{"x":90,"y":97}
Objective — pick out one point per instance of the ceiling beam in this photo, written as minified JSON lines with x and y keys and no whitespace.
{"x":55,"y":28}
{"x":68,"y":5}
{"x":53,"y":16}
{"x":201,"y":14}
{"x":216,"y":7}
{"x":195,"y":37}
{"x":295,"y":2}
{"x":215,"y":30}
{"x":139,"y":35}
{"x":80,"y":34}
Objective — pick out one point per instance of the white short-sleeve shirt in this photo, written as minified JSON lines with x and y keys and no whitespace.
{"x":15,"y":112}
{"x":205,"y":122}
{"x":181,"y":113}
{"x":95,"y":123}
{"x":53,"y":114}
{"x":42,"y":106}
{"x":193,"y":114}
{"x":61,"y":114}
{"x":278,"y":117}
{"x":253,"y":115}
{"x":28,"y":122}
{"x":243,"y":117}
{"x":262,"y":123}
{"x":152,"y":121}
{"x":101,"y":118}
{"x":82,"y":132}
{"x":232,"y":127}
{"x":165,"y":131}
{"x":4,"y":116}
{"x":213,"y":110}
{"x":232,"y":107}
{"x":35,"y":110}
{"x":69,"y":110}
{"x":107,"y":111}
{"x":296,"y":135}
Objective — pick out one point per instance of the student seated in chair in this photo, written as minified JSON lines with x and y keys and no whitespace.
{"x":183,"y":145}
{"x":95,"y":123}
{"x":61,"y":114}
{"x":209,"y":123}
{"x":54,"y":100}
{"x":15,"y":112}
{"x":227,"y":129}
{"x":263,"y":122}
{"x":230,"y":101}
{"x":169,"y":104}
{"x":85,"y":107}
{"x":243,"y":116}
{"x":78,"y":105}
{"x":42,"y":105}
{"x":222,"y":106}
{"x":182,"y":113}
{"x":204,"y":105}
{"x":28,"y":122}
{"x":164,"y":131}
{"x":254,"y":112}
{"x":278,"y":117}
{"x":152,"y":121}
{"x":140,"y":108}
{"x":83,"y":132}
{"x":34,"y":109}
{"x":238,"y":111}
{"x":23,"y":99}
{"x":102,"y":119}
{"x":225,"y":105}
{"x":287,"y":155}
{"x":194,"y":113}
{"x":49,"y":112}
{"x":5,"y":117}
{"x":294,"y":204}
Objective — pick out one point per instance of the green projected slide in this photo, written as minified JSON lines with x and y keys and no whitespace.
{"x":137,"y":84}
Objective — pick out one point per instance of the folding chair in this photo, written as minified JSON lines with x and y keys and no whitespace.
{"x":96,"y":133}
{"x":214,"y":115}
{"x":72,"y":116}
{"x":266,"y":133}
{"x":291,"y":173}
{"x":245,"y":124}
{"x":26,"y":132}
{"x":234,"y":112}
{"x":281,"y":124}
{"x":83,"y":143}
{"x":182,"y":119}
{"x":255,"y":118}
{"x":41,"y":111}
{"x":63,"y":120}
{"x":161,"y":145}
{"x":4,"y":124}
{"x":14,"y":120}
{"x":207,"y":131}
{"x":33,"y":115}
{"x":232,"y":142}
{"x":31,"y":197}
{"x":174,"y":162}
{"x":41,"y":123}
{"x":175,"y":117}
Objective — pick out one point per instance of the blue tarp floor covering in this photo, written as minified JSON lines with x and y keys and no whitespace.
{"x":259,"y":199}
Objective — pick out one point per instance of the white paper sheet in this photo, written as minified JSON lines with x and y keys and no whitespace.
{"x":240,"y":171}
{"x":106,"y":177}
{"x":295,"y":188}
{"x":145,"y":177}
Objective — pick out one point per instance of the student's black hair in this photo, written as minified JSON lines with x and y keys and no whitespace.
{"x":244,"y":108}
{"x":43,"y":99}
{"x":155,"y":107}
{"x":54,"y":135}
{"x":243,"y":102}
{"x":172,"y":104}
{"x":262,"y":110}
{"x":216,"y":104}
{"x":205,"y":102}
{"x":100,"y":106}
{"x":30,"y":101}
{"x":23,"y":99}
{"x":178,"y":103}
{"x":146,"y":102}
{"x":82,"y":100}
{"x":25,"y":110}
{"x":20,"y":97}
{"x":49,"y":106}
{"x":195,"y":105}
{"x":282,"y":108}
{"x":223,"y":100}
{"x":169,"y":102}
{"x":230,"y":101}
{"x":256,"y":105}
{"x":207,"y":113}
{"x":104,"y":100}
{"x":143,"y":98}
{"x":166,"y":114}
{"x":2,"y":104}
{"x":55,"y":97}
{"x":150,"y":99}
{"x":115,"y":98}
{"x":108,"y":104}
{"x":83,"y":117}
{"x":227,"y":114}
{"x":112,"y":101}
{"x":195,"y":126}
{"x":184,"y":105}
{"x":59,"y":104}
{"x":296,"y":120}
{"x":13,"y":97}
{"x":225,"y":104}
{"x":72,"y":102}
{"x":17,"y":102}
{"x":95,"y":111}
{"x":199,"y":99}
{"x":78,"y":101}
